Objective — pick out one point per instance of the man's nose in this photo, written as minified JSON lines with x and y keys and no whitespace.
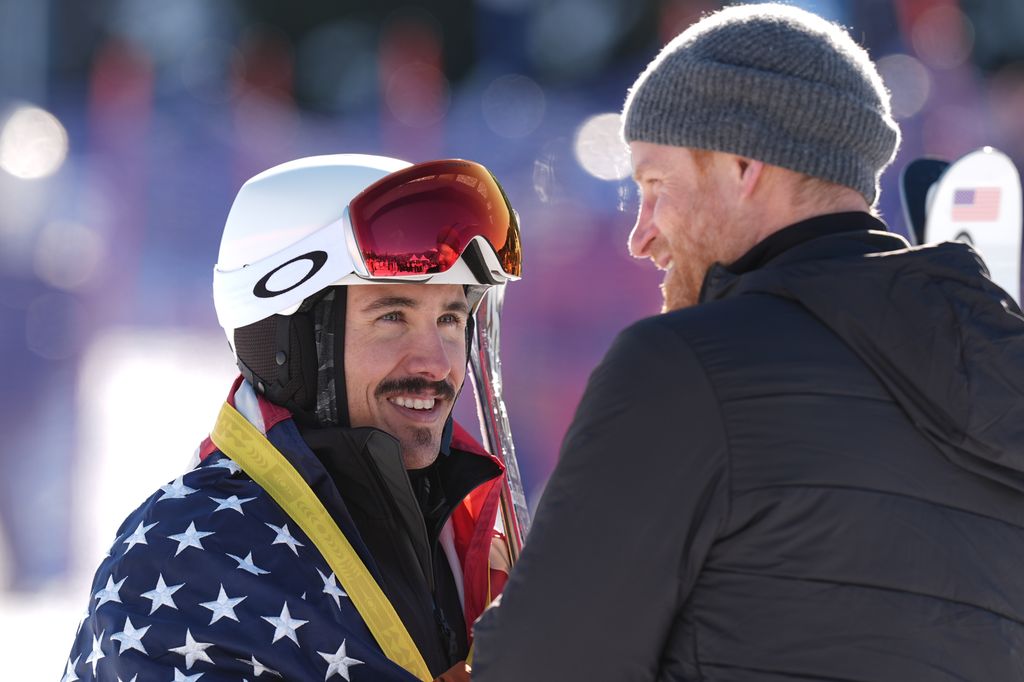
{"x":429,"y":357}
{"x":643,"y":233}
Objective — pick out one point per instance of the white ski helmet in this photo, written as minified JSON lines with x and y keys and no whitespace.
{"x":289,"y":239}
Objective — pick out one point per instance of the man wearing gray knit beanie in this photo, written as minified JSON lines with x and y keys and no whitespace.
{"x":811,"y":467}
{"x":789,"y":99}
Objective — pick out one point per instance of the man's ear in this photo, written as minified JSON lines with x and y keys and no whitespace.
{"x":749,"y":175}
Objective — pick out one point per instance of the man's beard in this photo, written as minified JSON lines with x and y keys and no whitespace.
{"x":681,"y":286}
{"x":710,"y":237}
{"x":422,"y":437}
{"x":420,"y":447}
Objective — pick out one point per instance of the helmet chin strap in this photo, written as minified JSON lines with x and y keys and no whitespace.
{"x":328,"y":314}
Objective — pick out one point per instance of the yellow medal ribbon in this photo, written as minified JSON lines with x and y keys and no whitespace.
{"x":246,"y":446}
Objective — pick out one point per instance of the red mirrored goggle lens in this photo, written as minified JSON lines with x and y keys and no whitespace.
{"x":419,"y":220}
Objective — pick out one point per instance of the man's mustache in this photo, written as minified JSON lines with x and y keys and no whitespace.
{"x":441,"y":389}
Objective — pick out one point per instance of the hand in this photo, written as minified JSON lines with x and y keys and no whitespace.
{"x":458,"y":673}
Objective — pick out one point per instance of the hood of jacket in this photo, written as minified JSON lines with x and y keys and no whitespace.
{"x":946,"y":342}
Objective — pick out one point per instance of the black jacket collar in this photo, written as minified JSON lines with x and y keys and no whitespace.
{"x":819,"y":226}
{"x":797,"y":242}
{"x":367,"y":468}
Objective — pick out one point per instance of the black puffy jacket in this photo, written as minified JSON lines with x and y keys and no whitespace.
{"x":816,"y":474}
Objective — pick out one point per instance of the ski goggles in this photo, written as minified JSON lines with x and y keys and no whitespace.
{"x":420,"y":220}
{"x":443,"y":222}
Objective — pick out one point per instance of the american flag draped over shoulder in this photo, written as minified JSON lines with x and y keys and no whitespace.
{"x":209,"y":580}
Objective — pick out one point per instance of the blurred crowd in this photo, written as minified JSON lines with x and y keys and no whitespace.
{"x":126,"y":127}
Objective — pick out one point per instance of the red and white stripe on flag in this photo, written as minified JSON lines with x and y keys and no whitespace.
{"x":977,"y":204}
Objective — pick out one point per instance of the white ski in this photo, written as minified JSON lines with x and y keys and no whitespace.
{"x":978,"y":200}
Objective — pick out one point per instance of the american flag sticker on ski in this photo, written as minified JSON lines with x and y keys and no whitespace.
{"x":976,"y":204}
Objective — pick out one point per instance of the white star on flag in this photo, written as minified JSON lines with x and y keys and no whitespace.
{"x":331,"y":587}
{"x":175,"y":490}
{"x":134,"y":678}
{"x":339,"y":662}
{"x":161,"y":595}
{"x":138,"y":537}
{"x":69,"y":670}
{"x":285,"y":537}
{"x":226,"y":463}
{"x":192,"y":650}
{"x":246,"y":564}
{"x":285,"y":625}
{"x":258,"y":668}
{"x":81,"y":621}
{"x":182,"y":677}
{"x":110,"y":592}
{"x":231,"y":503}
{"x":130,"y":638}
{"x":224,"y":607}
{"x":190,"y":538}
{"x":97,"y":653}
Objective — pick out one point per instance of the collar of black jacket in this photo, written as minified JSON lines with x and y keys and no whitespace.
{"x":798,"y":242}
{"x":778,"y":242}
{"x":367,"y":468}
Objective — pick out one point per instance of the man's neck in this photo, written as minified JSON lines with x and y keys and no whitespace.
{"x":788,"y":204}
{"x":802,"y":231}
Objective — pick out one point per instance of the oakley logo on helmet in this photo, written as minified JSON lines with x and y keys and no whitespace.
{"x":316,"y":259}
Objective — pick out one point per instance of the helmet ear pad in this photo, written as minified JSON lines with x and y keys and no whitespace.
{"x":277,"y":355}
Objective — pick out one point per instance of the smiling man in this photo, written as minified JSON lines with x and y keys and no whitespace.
{"x":405,"y":347}
{"x":339,"y":524}
{"x":811,"y":466}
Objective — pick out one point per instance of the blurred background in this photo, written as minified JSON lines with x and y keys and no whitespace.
{"x":127,"y":126}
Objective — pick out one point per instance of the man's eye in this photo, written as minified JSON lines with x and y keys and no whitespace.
{"x":391,"y":317}
{"x":450,"y":319}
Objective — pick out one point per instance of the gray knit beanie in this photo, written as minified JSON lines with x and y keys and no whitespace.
{"x":774,"y":83}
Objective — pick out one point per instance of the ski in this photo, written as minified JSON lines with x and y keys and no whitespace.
{"x":916,"y":179}
{"x":977,"y":200}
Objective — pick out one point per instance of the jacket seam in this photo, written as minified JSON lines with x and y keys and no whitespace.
{"x":886,"y":399}
{"x":726,"y":441}
{"x":788,"y":673}
{"x":880,"y":588}
{"x":962,"y":434}
{"x":915,"y":498}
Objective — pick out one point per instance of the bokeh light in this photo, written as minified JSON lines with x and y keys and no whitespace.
{"x":339,"y":66}
{"x":418,"y":95}
{"x":572,"y":37}
{"x":67,"y":254}
{"x":600,"y":150}
{"x":513,"y":105}
{"x":33,"y":143}
{"x":943,"y":37}
{"x":167,"y":30}
{"x":908,"y":82}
